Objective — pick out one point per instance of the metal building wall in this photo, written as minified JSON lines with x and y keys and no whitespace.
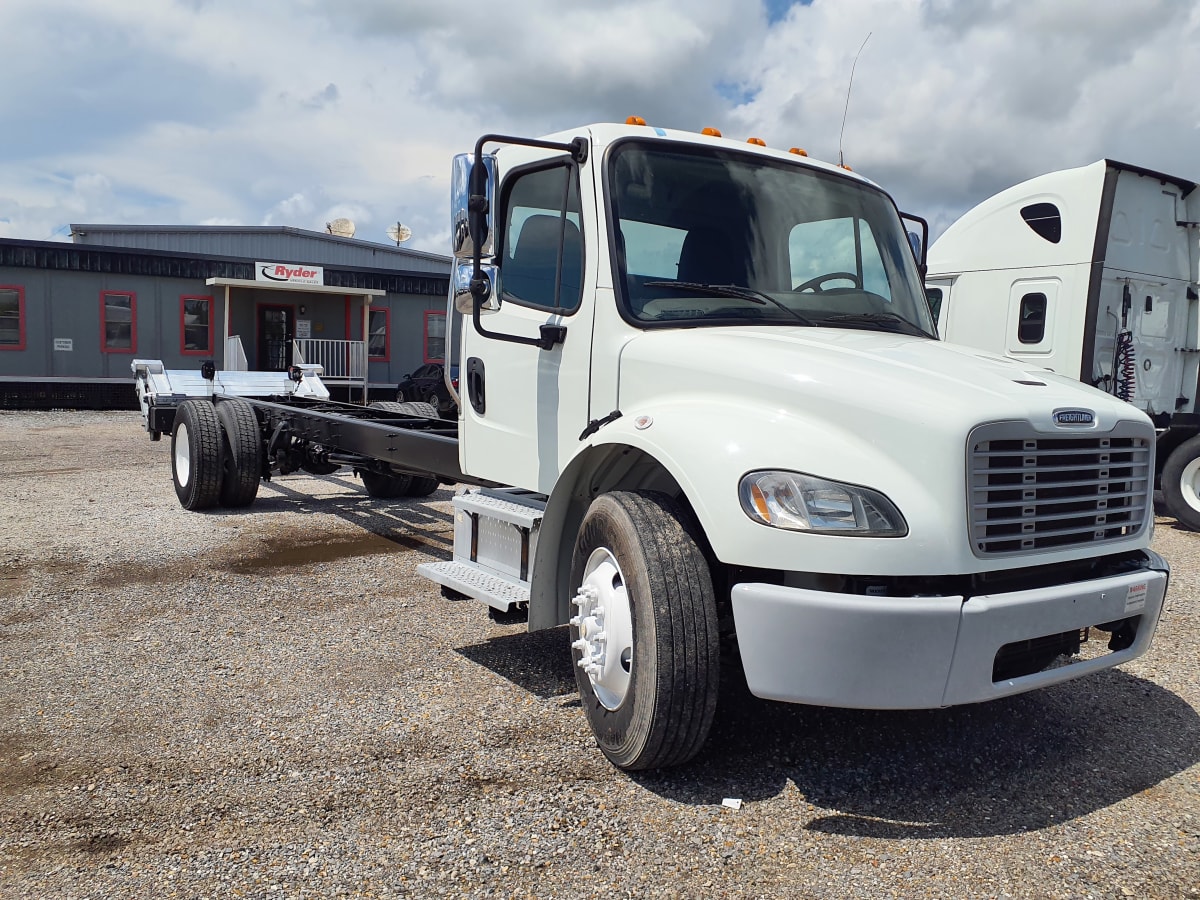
{"x":277,"y":244}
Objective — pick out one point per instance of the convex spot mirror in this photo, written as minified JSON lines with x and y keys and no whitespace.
{"x":464,"y":302}
{"x":463,"y":233}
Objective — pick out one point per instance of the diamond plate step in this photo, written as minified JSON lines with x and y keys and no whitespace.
{"x":494,"y":590}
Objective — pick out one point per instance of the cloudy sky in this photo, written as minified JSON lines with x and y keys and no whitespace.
{"x":266,"y":112}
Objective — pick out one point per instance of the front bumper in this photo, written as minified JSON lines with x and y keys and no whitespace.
{"x":864,"y":652}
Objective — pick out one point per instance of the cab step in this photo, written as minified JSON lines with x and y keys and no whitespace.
{"x":495,"y":541}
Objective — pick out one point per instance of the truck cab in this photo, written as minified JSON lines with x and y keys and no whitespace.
{"x":711,"y":368}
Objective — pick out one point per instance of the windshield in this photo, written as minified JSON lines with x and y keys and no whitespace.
{"x":713,"y":237}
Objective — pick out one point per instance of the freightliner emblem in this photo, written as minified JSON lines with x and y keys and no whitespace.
{"x":1069,"y":417}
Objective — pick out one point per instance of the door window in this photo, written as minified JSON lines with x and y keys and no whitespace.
{"x":274,"y":338}
{"x":542,"y":260}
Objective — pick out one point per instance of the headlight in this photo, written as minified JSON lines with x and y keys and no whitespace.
{"x":801,"y":502}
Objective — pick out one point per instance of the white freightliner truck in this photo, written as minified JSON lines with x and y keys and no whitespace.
{"x":1093,"y":272}
{"x":703,"y":403}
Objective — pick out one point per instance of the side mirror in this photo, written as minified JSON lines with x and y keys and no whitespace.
{"x":471,"y":228}
{"x":464,"y":299}
{"x":918,"y":242}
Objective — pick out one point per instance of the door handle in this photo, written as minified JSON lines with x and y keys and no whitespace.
{"x":475,"y":386}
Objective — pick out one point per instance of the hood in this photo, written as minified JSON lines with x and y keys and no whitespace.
{"x":853,"y":377}
{"x":889,"y":412}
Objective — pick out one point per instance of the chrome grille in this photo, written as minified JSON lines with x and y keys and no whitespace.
{"x":1031,"y":491}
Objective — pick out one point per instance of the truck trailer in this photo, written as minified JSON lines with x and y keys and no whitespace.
{"x":1093,"y":272}
{"x":705,"y":419}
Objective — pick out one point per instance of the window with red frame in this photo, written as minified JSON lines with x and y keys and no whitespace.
{"x":378,"y":336}
{"x":12,"y":318}
{"x":435,"y":336}
{"x":195,"y":326}
{"x":118,"y":320}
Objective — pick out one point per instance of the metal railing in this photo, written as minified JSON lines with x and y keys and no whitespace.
{"x":344,"y":362}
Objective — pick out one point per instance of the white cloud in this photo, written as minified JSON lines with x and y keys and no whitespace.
{"x":203,"y":111}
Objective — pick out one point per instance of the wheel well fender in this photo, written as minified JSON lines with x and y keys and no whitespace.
{"x":596,"y":470}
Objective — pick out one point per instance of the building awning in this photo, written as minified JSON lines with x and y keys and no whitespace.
{"x":292,"y":286}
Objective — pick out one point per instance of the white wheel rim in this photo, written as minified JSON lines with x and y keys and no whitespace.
{"x":183,"y":455}
{"x":1187,"y":484}
{"x":605,"y":625}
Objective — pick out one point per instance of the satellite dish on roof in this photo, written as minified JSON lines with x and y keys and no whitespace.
{"x":399,"y":233}
{"x":342,"y":227}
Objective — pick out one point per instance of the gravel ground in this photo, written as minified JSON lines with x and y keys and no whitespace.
{"x":271,"y":703}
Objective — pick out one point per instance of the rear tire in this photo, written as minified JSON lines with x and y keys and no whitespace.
{"x":418,"y":485}
{"x":419,"y":408}
{"x":1181,"y":483}
{"x":243,"y":452}
{"x":385,"y":486}
{"x":422,"y":485}
{"x":196,"y":456}
{"x":644,"y":630}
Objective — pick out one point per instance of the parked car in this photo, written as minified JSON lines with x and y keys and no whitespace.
{"x":427,"y":384}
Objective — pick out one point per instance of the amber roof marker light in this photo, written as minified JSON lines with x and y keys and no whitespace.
{"x":635,"y":120}
{"x":710,"y":131}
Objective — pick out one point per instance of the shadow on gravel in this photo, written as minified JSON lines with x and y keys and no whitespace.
{"x":538,"y":661}
{"x":409,"y":523}
{"x":1012,"y":765}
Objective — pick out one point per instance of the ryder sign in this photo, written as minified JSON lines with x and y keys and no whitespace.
{"x":289,"y":273}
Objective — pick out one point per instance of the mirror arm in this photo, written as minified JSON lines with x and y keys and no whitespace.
{"x":477,"y":206}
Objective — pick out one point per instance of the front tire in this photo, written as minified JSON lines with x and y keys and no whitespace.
{"x":1181,"y":483}
{"x":196,"y":458}
{"x":644,"y":630}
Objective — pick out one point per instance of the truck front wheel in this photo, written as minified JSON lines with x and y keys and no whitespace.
{"x":644,"y":631}
{"x":196,"y":456}
{"x":1181,"y":483}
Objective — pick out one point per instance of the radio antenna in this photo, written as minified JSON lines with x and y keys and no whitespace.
{"x":845,"y":112}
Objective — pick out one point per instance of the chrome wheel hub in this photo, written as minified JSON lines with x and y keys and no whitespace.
{"x":604,"y":622}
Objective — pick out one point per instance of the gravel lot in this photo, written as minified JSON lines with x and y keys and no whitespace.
{"x":272,"y":704}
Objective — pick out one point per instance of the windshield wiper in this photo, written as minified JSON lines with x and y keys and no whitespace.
{"x":731,"y":290}
{"x":895,"y":322}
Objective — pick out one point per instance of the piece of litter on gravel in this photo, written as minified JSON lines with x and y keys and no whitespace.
{"x":732,"y":802}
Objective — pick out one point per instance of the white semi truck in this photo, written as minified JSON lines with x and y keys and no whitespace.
{"x":703,"y":405}
{"x":1092,"y":272}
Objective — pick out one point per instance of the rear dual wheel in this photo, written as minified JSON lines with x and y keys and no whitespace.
{"x":196,"y":455}
{"x":386,"y":486}
{"x":242,"y":448}
{"x":216,"y":454}
{"x":644,"y":630}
